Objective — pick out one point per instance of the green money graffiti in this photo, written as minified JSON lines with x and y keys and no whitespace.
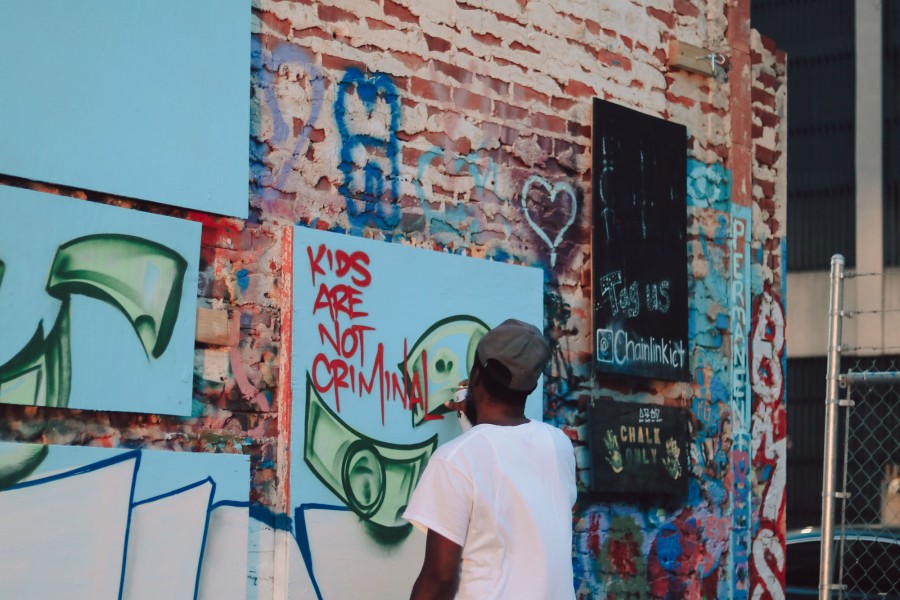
{"x":449,"y":347}
{"x":373,"y":478}
{"x":141,"y":278}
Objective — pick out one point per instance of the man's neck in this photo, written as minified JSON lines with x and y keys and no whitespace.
{"x":502,"y":418}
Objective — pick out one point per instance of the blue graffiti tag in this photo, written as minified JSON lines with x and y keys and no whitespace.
{"x":270,"y":61}
{"x":366,"y":204}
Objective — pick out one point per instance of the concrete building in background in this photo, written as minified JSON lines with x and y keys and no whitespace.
{"x":843,"y":198}
{"x":417,"y":170}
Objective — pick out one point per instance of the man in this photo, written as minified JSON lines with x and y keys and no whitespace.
{"x":497,"y":501}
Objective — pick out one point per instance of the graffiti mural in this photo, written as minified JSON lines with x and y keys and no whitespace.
{"x":741,"y":403}
{"x":367,"y":112}
{"x":383,"y":336}
{"x":558,"y":190}
{"x":769,"y":443}
{"x":99,"y":310}
{"x":686,"y":551}
{"x":144,"y":524}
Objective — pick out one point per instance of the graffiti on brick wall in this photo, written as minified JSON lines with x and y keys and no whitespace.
{"x":282,"y":69}
{"x":112,"y":325}
{"x":685,"y":549}
{"x":741,"y":403}
{"x":144,"y":524}
{"x":384,"y":334}
{"x":769,"y":444}
{"x":367,"y":112}
{"x":548,"y":208}
{"x":469,"y":176}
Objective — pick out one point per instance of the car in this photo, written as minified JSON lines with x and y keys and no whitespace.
{"x":871,"y":565}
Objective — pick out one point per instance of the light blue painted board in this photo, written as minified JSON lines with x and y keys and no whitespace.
{"x":49,"y":284}
{"x":62,"y":481}
{"x":367,"y":454}
{"x":144,"y":98}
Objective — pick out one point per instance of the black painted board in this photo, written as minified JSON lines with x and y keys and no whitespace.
{"x":638,"y":449}
{"x":639,"y":244}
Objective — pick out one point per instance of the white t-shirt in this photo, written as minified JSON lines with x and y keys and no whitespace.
{"x":505,"y":494}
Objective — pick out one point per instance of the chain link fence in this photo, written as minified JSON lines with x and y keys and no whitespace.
{"x":861,"y":478}
{"x":868,"y":526}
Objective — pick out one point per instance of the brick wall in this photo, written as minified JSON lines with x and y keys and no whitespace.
{"x":466,"y":127}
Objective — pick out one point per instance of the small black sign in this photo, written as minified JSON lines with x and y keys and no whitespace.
{"x":638,"y":449}
{"x":639,"y":248}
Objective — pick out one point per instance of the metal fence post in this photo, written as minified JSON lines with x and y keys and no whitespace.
{"x":835,"y":310}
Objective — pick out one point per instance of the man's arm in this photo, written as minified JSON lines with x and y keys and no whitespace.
{"x":439,"y":576}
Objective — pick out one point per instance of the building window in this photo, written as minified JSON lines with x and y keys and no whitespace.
{"x":818,"y":36}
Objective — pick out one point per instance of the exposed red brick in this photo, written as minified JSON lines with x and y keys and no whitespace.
{"x":613,"y":59}
{"x":507,"y":112}
{"x":767,"y":80}
{"x":334,"y":14}
{"x":392,"y":9}
{"x":318,"y":32}
{"x":431,"y":90}
{"x":667,"y":18}
{"x":579,"y":129}
{"x":549,"y":123}
{"x":766,"y":118}
{"x":756,"y":131}
{"x":592,"y":26}
{"x":629,"y":43}
{"x":525,"y":94}
{"x":378,"y":25}
{"x":562,"y":104}
{"x":410,"y":155}
{"x":507,"y":63}
{"x":768,"y":43}
{"x":501,"y":88}
{"x":457,"y":73}
{"x":686,"y":102}
{"x":763,"y":97}
{"x":413,"y":61}
{"x":471,"y":101}
{"x":508,"y":135}
{"x":686,"y":8}
{"x":461,"y":146}
{"x":516,"y":45}
{"x":487,"y":38}
{"x":768,"y":188}
{"x":282,"y":26}
{"x":579,"y":89}
{"x":436,"y":44}
{"x":765,"y":155}
{"x":338,"y":63}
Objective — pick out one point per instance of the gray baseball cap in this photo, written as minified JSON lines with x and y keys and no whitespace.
{"x":519,"y":347}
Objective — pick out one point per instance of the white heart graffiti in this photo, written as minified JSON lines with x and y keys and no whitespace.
{"x":553,"y":190}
